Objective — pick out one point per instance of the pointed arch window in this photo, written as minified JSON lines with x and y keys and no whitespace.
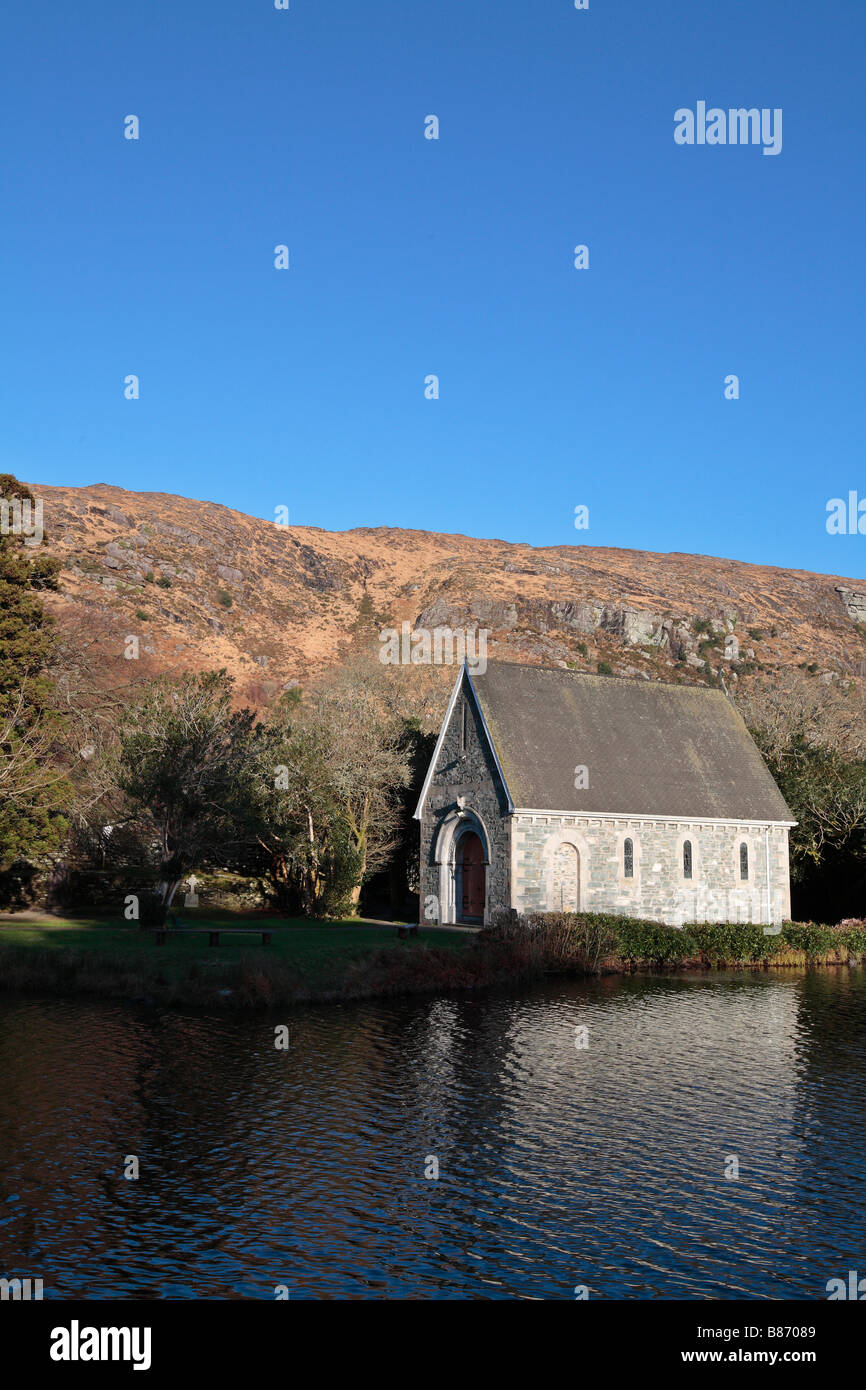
{"x":744,"y":861}
{"x":628,"y":858}
{"x":687,"y":859}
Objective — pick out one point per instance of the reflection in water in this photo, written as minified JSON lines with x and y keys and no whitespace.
{"x":559,"y":1166}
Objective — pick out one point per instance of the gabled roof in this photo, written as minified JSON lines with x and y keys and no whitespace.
{"x":458,"y":685}
{"x":650,"y":749}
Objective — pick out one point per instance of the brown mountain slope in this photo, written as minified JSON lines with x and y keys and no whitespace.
{"x":202,"y":586}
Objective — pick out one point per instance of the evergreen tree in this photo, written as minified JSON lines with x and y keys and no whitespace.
{"x":33,"y":789}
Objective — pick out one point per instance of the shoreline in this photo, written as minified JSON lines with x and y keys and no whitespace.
{"x":340,"y":963}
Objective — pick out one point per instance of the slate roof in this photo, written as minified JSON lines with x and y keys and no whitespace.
{"x":651,"y":749}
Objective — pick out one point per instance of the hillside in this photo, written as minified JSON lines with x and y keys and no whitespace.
{"x":202,"y":585}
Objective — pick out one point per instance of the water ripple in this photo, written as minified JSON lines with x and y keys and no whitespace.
{"x":559,"y":1165}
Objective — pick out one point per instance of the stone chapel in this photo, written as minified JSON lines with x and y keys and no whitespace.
{"x":552,"y":790}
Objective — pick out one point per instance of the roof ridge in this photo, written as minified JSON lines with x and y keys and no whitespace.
{"x":599,"y":676}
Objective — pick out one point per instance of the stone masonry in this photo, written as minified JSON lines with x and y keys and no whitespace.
{"x":545,"y":861}
{"x":658,"y":889}
{"x":466,"y":792}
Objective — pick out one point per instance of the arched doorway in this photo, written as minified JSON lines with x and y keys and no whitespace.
{"x":471,"y":878}
{"x":566,"y":879}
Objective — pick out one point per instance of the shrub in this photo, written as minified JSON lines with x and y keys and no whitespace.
{"x":586,"y":941}
{"x":543,"y":941}
{"x":225,"y":598}
{"x":855,"y":937}
{"x":652,"y":942}
{"x":164,"y":582}
{"x":813,"y":939}
{"x":604,"y":668}
{"x":720,"y":942}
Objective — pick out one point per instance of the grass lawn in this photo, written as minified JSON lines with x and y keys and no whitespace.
{"x":316,"y":953}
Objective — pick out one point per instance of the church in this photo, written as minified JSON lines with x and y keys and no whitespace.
{"x":551,"y":790}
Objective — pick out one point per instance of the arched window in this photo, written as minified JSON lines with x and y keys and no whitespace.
{"x":566,"y":879}
{"x":628,"y":859}
{"x":744,"y":860}
{"x":687,"y":859}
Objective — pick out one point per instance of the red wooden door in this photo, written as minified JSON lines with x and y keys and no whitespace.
{"x":472,"y":877}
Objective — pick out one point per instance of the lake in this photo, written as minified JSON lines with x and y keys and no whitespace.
{"x":560,"y":1165}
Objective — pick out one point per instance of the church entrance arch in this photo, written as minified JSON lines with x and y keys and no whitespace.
{"x":463,"y":855}
{"x":471,"y":879}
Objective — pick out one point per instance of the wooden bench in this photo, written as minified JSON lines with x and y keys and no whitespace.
{"x":407,"y":929}
{"x":213,"y":934}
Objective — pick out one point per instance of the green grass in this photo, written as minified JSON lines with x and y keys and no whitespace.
{"x":116,"y":957}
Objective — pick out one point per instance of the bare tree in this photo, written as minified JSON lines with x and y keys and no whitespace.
{"x":813,"y":735}
{"x":368,"y":763}
{"x":797,"y":708}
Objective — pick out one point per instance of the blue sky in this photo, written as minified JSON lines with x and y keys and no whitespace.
{"x":410,"y":257}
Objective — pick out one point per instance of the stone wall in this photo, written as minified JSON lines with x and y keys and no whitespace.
{"x":465,"y":792}
{"x":658,"y":890}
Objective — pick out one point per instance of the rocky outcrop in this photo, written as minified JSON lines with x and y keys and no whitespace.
{"x":854,"y":603}
{"x":636,"y":627}
{"x":231,"y":576}
{"x":472,"y":613}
